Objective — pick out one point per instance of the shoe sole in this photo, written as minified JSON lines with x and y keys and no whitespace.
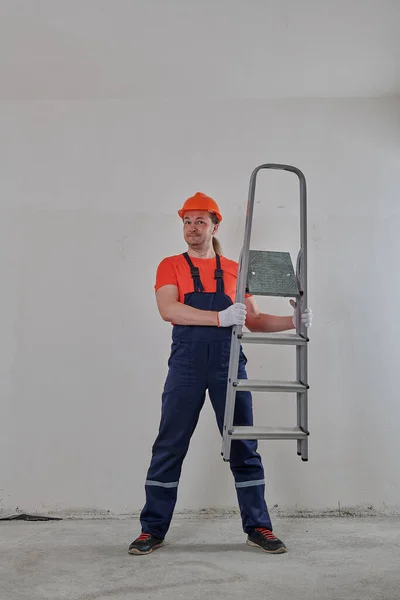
{"x":277,"y":551}
{"x":137,"y":552}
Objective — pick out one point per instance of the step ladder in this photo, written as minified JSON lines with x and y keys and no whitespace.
{"x":267,"y":273}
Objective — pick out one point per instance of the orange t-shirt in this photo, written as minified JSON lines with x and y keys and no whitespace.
{"x":174,"y":270}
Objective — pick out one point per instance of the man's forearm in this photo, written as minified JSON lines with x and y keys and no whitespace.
{"x":182,"y":314}
{"x":264,"y":323}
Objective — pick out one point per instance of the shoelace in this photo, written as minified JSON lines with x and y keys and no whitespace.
{"x":266,"y":533}
{"x":143,"y":537}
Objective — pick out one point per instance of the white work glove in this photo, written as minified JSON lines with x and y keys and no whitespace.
{"x":233,"y":315}
{"x":306,"y":316}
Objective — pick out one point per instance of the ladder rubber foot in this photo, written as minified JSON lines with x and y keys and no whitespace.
{"x":304,"y":459}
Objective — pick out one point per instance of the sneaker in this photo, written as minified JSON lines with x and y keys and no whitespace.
{"x":145,"y":544}
{"x":266,"y":540}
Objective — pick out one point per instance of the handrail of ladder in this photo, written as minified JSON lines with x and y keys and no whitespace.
{"x":301,"y":269}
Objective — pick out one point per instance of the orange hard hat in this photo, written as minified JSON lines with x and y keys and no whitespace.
{"x":200,"y":202}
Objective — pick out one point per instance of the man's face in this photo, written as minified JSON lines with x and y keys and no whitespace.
{"x":198,"y":228}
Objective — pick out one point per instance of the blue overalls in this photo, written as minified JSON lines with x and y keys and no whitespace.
{"x":199,"y":361}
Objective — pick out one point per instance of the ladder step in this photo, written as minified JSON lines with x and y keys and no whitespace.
{"x":273,"y":338}
{"x":261,"y":385}
{"x":267,"y":433}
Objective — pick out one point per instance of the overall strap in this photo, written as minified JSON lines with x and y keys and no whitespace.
{"x":219,"y":275}
{"x":195,"y":273}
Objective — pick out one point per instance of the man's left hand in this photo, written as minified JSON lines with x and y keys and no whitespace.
{"x":306,"y":316}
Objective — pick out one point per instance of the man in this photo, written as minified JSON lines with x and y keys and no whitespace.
{"x":195,"y":291}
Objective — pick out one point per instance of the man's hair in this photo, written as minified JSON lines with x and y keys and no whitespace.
{"x":216,"y":245}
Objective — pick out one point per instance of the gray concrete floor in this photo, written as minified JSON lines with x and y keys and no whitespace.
{"x":328,"y":558}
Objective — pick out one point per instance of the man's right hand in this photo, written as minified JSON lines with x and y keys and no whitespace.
{"x":233,"y":315}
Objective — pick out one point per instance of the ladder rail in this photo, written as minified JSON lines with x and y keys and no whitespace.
{"x":302,"y":352}
{"x":301,"y":275}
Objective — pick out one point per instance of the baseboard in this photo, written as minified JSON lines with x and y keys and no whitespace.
{"x":359,"y":511}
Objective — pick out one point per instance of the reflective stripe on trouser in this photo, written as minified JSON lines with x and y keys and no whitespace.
{"x":194,"y":367}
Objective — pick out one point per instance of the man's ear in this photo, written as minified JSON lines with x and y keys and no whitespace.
{"x":215,"y":228}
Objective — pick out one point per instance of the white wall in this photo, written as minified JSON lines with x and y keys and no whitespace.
{"x":89,"y":193}
{"x":85,"y":49}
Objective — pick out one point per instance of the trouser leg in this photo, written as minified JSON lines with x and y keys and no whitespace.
{"x":245,"y":461}
{"x":182,"y":401}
